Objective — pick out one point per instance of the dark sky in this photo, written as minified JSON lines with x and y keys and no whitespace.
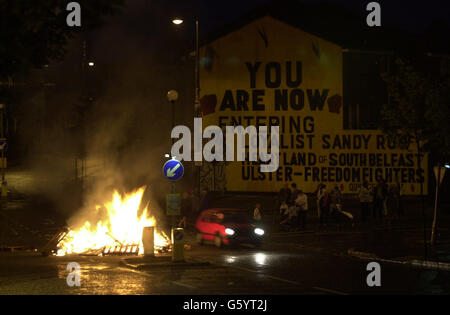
{"x":414,"y":15}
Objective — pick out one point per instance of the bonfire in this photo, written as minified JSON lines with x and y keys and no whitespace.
{"x":119,"y":230}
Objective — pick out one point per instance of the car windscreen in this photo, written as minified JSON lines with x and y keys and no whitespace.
{"x":236,"y":218}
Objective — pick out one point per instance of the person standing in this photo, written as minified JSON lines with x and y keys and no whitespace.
{"x":302,"y":205}
{"x":257,"y":215}
{"x":283,"y":211}
{"x":394,"y":199}
{"x":316,"y":195}
{"x":335,"y":198}
{"x":291,"y":217}
{"x":365,"y":197}
{"x":284,"y":197}
{"x":285,"y":194}
{"x":205,"y":199}
{"x":322,"y":199}
{"x":186,"y":210}
{"x":379,"y":199}
{"x":294,"y":193}
{"x":400,"y":198}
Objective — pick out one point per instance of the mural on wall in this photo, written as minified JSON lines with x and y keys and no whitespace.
{"x":213,"y":176}
{"x":295,"y":82}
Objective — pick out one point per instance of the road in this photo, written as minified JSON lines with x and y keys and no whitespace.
{"x":289,"y":263}
{"x":241,"y":270}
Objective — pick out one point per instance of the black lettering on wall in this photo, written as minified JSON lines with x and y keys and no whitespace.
{"x":325,"y":140}
{"x":281,"y":99}
{"x":317,"y":101}
{"x":242,"y":98}
{"x":253,"y":69}
{"x":308,"y":124}
{"x":273,"y":83}
{"x":228,"y":101}
{"x":298,"y":80}
{"x":297,"y":99}
{"x":257,"y":99}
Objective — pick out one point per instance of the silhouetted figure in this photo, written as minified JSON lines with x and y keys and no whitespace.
{"x":302,"y":209}
{"x":379,"y":197}
{"x":365,"y":198}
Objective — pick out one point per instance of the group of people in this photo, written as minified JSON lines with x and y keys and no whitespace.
{"x":385,"y":200}
{"x":328,"y":202}
{"x":293,"y":206}
{"x":380,"y":199}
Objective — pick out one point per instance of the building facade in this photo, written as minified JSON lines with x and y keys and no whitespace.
{"x":271,"y":73}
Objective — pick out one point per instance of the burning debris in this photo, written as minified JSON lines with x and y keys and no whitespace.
{"x":119,"y":232}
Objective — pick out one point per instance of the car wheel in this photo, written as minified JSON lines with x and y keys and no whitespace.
{"x":218,"y":241}
{"x":199,"y":238}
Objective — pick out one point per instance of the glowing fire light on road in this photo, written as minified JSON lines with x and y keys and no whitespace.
{"x":121,"y":226}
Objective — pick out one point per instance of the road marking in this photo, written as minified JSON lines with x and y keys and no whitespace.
{"x":266,"y":275}
{"x":289,"y":281}
{"x":330,"y":291}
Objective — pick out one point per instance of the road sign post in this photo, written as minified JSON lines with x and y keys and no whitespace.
{"x":173,"y":204}
{"x":173,"y":170}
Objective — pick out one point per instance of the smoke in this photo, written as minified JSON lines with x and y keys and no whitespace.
{"x":115,"y":117}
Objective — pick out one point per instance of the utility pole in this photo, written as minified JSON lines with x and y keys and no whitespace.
{"x":422,"y":197}
{"x":439,"y":173}
{"x":172,"y":96}
{"x":197,"y":108}
{"x":4,"y":190}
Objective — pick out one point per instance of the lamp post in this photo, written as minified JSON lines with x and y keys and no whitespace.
{"x":4,"y":189}
{"x":197,"y":111}
{"x":172,"y":96}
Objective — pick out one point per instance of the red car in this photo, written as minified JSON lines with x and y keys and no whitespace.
{"x":228,"y":226}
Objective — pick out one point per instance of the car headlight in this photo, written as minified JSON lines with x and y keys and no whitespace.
{"x":259,"y":231}
{"x":229,"y":231}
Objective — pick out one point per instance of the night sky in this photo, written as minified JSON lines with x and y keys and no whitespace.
{"x":145,"y":25}
{"x":414,"y":16}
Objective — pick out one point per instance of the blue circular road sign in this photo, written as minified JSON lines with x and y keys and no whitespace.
{"x":173,"y":170}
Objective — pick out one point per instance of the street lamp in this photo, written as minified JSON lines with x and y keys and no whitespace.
{"x":177,"y":21}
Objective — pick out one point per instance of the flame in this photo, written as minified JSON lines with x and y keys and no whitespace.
{"x":121,"y":226}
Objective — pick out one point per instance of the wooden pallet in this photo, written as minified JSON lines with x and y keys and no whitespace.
{"x":53,"y":243}
{"x":121,"y":250}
